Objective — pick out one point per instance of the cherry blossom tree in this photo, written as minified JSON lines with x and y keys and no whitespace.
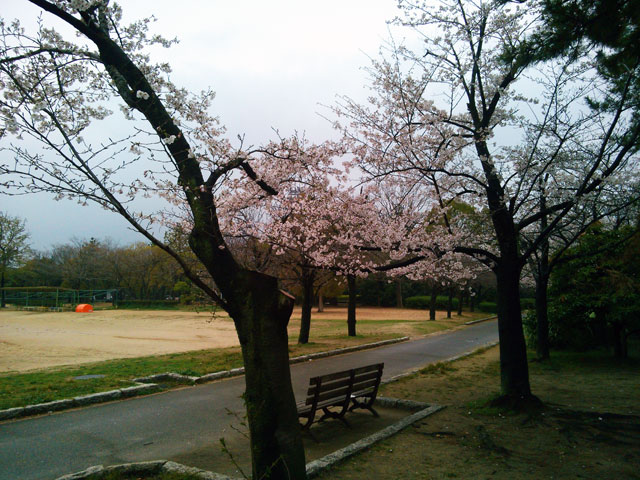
{"x":445,"y":117}
{"x":320,"y":220}
{"x":59,"y":96}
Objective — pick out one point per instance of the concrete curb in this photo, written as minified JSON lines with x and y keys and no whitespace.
{"x":314,"y":468}
{"x":479,"y":320}
{"x":82,"y":401}
{"x":340,"y":351}
{"x":144,"y":468}
{"x":150,"y":384}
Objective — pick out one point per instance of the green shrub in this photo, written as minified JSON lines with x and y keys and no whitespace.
{"x":187,"y":298}
{"x":488,"y":307}
{"x":420,"y":302}
{"x":423,"y":302}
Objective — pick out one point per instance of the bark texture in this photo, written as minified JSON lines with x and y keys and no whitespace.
{"x":433,"y":301}
{"x":308,"y":279}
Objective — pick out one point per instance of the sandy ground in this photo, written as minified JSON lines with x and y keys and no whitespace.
{"x":30,"y":340}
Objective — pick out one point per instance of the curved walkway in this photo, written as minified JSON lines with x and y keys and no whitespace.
{"x":176,"y":422}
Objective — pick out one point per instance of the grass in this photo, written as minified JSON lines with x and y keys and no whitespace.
{"x":588,"y":428}
{"x":19,"y":389}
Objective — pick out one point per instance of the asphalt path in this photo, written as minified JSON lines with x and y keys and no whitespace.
{"x":173,"y":423}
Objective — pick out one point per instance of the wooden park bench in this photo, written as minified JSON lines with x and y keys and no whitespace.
{"x":343,"y":391}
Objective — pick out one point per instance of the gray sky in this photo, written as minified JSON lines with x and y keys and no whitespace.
{"x":272,"y":64}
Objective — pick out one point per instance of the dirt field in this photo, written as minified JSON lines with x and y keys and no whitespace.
{"x":30,"y":340}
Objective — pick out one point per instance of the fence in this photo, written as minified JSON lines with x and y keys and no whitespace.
{"x":56,"y":298}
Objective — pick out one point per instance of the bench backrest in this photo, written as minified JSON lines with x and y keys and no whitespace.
{"x":338,"y":387}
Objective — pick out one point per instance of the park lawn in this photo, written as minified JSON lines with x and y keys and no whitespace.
{"x":330,"y":328}
{"x":328,"y":332}
{"x":589,"y":427}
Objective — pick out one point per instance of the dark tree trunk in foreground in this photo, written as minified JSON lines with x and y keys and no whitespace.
{"x":460,"y":300}
{"x":433,"y":301}
{"x":261,"y":322}
{"x":308,"y":279}
{"x":514,"y":369}
{"x":449,"y":301}
{"x":351,"y":307}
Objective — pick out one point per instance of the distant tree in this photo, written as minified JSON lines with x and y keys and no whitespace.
{"x":595,"y":298}
{"x":14,"y":246}
{"x":87,"y":264}
{"x":145,"y":270}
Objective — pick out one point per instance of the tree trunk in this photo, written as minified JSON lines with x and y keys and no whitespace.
{"x":434,"y":300}
{"x":276,"y":444}
{"x":399,"y":302}
{"x":3,"y":304}
{"x":320,"y":302}
{"x":308,"y":278}
{"x":460,"y":300}
{"x":514,"y":369}
{"x":351,"y":308}
{"x":542,"y":317}
{"x":261,"y":313}
{"x":619,"y":340}
{"x":449,"y":301}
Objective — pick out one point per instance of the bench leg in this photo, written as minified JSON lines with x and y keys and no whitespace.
{"x":366,"y":405}
{"x":329,"y":414}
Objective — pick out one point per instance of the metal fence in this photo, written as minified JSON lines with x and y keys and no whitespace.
{"x":56,"y":297}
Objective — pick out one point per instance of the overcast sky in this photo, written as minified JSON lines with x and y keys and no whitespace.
{"x":272,"y":64}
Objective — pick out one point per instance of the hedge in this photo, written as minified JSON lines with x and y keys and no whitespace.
{"x":423,"y":302}
{"x":488,"y":307}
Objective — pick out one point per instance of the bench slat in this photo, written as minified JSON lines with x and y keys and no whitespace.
{"x":326,"y":385}
{"x":364,"y":386}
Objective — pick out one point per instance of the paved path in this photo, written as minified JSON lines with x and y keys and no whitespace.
{"x":174,"y":423}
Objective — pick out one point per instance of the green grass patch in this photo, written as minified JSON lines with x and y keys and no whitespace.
{"x":440,"y":368}
{"x":427,"y":327}
{"x":20,"y":389}
{"x":482,"y":406}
